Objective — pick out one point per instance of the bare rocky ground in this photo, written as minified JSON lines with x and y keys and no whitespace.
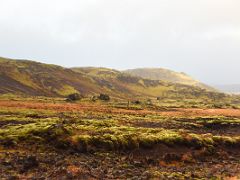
{"x":161,"y":163}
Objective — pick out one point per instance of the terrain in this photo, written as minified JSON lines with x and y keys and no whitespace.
{"x":47,"y":138}
{"x":144,"y":129}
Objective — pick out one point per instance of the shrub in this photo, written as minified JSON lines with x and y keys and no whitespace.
{"x":104,"y":97}
{"x":136,"y":102}
{"x":74,"y":97}
{"x":218,"y":105}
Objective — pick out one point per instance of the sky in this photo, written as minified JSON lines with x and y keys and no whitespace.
{"x":198,"y":37}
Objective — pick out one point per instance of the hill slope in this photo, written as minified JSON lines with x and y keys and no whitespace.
{"x":167,"y":75}
{"x":134,"y":85}
{"x":33,"y":78}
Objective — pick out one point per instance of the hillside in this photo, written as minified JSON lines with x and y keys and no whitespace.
{"x":38,"y":79}
{"x":33,"y":78}
{"x":167,"y":75}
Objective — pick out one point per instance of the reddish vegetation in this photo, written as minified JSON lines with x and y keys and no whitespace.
{"x":104,"y":108}
{"x":204,"y":112}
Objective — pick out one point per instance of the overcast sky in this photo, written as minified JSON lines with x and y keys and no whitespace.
{"x":199,"y":37}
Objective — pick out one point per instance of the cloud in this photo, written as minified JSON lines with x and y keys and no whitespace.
{"x":223,"y":32}
{"x":198,"y":37}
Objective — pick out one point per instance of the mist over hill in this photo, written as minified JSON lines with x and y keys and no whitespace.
{"x":167,"y":75}
{"x":231,"y":88}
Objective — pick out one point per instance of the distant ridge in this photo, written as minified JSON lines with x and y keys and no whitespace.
{"x":167,"y":75}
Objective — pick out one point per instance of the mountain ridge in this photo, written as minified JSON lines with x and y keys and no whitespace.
{"x":39,"y":79}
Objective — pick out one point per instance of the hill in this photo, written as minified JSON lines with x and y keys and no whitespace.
{"x":38,"y":79}
{"x":141,"y":87}
{"x":167,"y":75}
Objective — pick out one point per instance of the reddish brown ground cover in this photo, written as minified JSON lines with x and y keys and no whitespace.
{"x":65,"y":107}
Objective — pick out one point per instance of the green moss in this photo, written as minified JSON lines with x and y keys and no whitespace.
{"x":92,"y":131}
{"x":226,"y":140}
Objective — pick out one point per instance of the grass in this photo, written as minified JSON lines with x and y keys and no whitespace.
{"x":106,"y":131}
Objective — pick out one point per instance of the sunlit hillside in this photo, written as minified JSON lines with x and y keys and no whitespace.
{"x":167,"y":75}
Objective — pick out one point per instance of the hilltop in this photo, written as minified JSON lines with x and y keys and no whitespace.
{"x":167,"y":75}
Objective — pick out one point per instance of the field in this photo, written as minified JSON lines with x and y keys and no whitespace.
{"x":52,"y":139}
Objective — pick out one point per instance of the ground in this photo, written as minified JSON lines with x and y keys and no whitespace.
{"x":53,"y":139}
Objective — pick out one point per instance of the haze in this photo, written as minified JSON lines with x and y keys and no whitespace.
{"x":201,"y":38}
